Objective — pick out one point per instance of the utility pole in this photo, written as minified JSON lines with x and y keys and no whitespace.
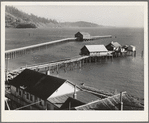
{"x":69,"y":105}
{"x":7,"y":69}
{"x":121,"y":101}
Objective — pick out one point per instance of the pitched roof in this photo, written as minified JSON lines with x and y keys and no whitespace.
{"x":96,"y":48}
{"x":71,"y":102}
{"x":115,"y":44}
{"x":83,"y":33}
{"x":112,"y":103}
{"x":82,"y":96}
{"x":37,"y":83}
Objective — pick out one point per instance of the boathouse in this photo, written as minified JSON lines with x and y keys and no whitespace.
{"x":34,"y":87}
{"x":92,"y":50}
{"x":125,"y":47}
{"x":113,"y":46}
{"x":131,"y":48}
{"x":82,"y":36}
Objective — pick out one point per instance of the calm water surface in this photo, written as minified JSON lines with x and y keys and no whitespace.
{"x":123,"y":73}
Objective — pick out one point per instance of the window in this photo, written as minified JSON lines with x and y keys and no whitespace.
{"x":20,"y":92}
{"x":42,"y":102}
{"x":16,"y":89}
{"x":36,"y":99}
{"x":23,"y":92}
{"x":27,"y":96}
{"x":31,"y":97}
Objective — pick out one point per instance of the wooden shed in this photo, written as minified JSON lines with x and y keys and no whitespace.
{"x":82,"y":36}
{"x":113,"y":46}
{"x":93,"y":50}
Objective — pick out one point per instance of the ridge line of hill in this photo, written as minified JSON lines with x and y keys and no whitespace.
{"x":15,"y":18}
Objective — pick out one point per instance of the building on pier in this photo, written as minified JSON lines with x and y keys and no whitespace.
{"x":131,"y":48}
{"x":32,"y":87}
{"x":113,"y":46}
{"x":97,"y":50}
{"x":82,"y":36}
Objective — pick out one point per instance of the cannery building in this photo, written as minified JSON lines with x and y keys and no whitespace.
{"x":34,"y":88}
{"x":98,"y":50}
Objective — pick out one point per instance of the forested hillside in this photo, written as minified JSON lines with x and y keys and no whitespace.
{"x":18,"y":19}
{"x":15,"y":18}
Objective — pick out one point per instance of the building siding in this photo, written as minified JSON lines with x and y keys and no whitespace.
{"x":84,"y":51}
{"x":13,"y":90}
{"x":82,"y":35}
{"x":21,"y":94}
{"x":66,"y":88}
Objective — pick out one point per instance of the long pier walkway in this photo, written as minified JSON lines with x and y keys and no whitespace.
{"x":66,"y":64}
{"x":13,"y":53}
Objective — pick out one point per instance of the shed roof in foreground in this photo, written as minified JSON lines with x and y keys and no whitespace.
{"x":82,"y":96}
{"x":36,"y":83}
{"x":113,"y":103}
{"x":96,"y":48}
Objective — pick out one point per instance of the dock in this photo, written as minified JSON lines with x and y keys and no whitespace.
{"x":13,"y":53}
{"x":55,"y":66}
{"x":97,"y":37}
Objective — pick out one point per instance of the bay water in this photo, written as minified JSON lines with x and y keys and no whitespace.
{"x":122,"y":74}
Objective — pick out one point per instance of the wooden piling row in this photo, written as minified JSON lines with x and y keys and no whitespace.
{"x":70,"y":64}
{"x":33,"y":48}
{"x":123,"y":54}
{"x":97,"y":37}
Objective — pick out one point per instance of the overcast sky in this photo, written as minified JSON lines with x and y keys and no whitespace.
{"x":112,"y":15}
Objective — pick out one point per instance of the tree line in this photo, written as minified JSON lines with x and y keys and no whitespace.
{"x":24,"y":17}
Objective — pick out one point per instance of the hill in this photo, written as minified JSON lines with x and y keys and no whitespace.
{"x":15,"y":18}
{"x":79,"y":24}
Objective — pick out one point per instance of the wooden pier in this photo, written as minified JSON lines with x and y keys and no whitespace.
{"x":97,"y":37}
{"x":13,"y":53}
{"x":123,"y":54}
{"x":66,"y":65}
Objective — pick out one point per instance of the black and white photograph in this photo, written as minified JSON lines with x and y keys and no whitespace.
{"x":79,"y":60}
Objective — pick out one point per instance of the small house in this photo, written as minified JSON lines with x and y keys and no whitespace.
{"x":34,"y":87}
{"x":92,"y":50}
{"x":113,"y":46}
{"x":131,"y":48}
{"x":82,"y":36}
{"x":125,"y":47}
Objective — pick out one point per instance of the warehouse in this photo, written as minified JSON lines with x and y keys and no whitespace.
{"x":94,"y":50}
{"x":31,"y":87}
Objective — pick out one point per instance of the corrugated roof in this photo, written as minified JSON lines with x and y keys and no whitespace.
{"x":96,"y":48}
{"x":36,"y":83}
{"x":112,"y":103}
{"x":82,"y":96}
